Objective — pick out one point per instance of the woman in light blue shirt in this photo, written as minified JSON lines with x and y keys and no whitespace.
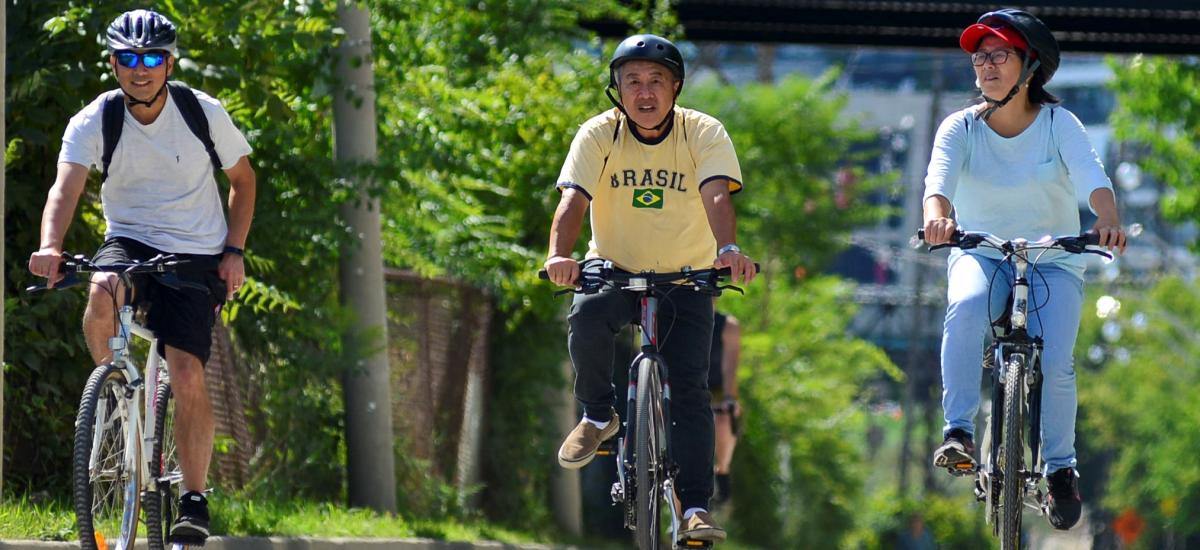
{"x":1015,"y":165}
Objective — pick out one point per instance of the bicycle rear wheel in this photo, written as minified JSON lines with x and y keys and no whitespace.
{"x":160,"y":504}
{"x":1010,"y":457}
{"x":649,"y":455}
{"x":105,"y":478}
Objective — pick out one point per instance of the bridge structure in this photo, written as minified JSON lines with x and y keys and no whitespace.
{"x":1103,"y":26}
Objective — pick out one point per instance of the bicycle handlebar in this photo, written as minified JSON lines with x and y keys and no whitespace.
{"x":590,"y":283}
{"x":1075,"y":244}
{"x":163,"y":264}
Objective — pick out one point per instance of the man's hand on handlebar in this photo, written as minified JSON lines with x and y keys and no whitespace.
{"x":741,"y":267}
{"x":45,"y":263}
{"x":561,"y":270}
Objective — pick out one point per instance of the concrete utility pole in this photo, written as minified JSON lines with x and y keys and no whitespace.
{"x":3,"y":163}
{"x":370,"y":454}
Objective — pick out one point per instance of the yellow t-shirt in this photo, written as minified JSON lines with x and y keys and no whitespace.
{"x":646,"y":210}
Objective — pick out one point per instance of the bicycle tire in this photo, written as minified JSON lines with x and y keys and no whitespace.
{"x":648,"y":456}
{"x":160,"y":504}
{"x":1010,"y":457}
{"x":106,"y":493}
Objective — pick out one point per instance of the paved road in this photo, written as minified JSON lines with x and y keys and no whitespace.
{"x":279,"y":543}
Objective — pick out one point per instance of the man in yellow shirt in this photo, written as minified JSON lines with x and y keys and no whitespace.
{"x":658,"y":179}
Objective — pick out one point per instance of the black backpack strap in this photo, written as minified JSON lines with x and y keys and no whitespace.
{"x":197,"y":121}
{"x":112,"y":121}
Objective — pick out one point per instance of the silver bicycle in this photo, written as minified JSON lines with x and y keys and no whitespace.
{"x":1008,"y":478}
{"x":124,"y":457}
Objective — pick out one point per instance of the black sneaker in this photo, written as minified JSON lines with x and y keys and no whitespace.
{"x":724,"y":489}
{"x":957,"y":452}
{"x":1063,"y":502}
{"x":191,"y":527}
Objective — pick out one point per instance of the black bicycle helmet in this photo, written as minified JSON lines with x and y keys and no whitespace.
{"x":141,"y":29}
{"x":646,"y":47}
{"x":1035,"y":33}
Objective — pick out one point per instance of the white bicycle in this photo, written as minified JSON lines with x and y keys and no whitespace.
{"x":125,"y":462}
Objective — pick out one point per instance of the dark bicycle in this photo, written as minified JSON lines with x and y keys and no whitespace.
{"x":646,"y":470}
{"x":123,"y":463}
{"x":1003,"y":479}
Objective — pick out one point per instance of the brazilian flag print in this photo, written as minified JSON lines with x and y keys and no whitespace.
{"x":648,"y":198}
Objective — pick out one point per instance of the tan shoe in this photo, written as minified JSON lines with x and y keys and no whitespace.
{"x":701,"y":527}
{"x":580,"y":446}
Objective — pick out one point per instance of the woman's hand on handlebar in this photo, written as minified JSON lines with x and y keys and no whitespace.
{"x":1112,"y":235}
{"x":561,"y":270}
{"x":939,"y":230}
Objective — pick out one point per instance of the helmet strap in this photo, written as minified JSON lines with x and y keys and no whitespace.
{"x":1027,"y":69}
{"x":133,"y":101}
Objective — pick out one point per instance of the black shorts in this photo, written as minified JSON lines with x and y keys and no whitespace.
{"x":180,"y":318}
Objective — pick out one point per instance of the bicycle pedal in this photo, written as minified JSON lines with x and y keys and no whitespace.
{"x":962,"y":469}
{"x":608,"y":448}
{"x":693,"y":543}
{"x":183,"y":542}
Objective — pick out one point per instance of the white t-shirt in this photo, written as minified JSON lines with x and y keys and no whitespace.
{"x":161,"y":189}
{"x":1025,"y":186}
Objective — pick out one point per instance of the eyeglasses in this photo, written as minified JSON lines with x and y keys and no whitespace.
{"x":997,"y":57}
{"x":151,"y":59}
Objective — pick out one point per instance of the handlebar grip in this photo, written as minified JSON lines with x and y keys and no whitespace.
{"x":543,"y":275}
{"x":1090,"y":237}
{"x":954,"y":238}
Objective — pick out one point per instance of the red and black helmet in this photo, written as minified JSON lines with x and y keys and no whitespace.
{"x":1039,"y":41}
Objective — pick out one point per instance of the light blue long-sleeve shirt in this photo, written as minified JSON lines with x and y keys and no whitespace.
{"x":1025,"y":186}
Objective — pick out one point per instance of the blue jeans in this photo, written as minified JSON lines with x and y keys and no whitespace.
{"x":967,"y":324}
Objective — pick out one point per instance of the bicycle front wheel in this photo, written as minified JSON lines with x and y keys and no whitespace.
{"x":649,"y":456}
{"x":160,"y":503}
{"x":105,"y":478}
{"x":1010,"y":457}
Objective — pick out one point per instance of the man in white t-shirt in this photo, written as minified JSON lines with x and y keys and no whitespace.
{"x":159,"y":195}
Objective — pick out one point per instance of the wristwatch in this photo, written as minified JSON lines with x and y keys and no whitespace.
{"x":729,"y":248}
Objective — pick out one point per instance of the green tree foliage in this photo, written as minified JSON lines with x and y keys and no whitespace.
{"x":795,"y":469}
{"x":791,"y":139}
{"x":1158,"y":105}
{"x":798,"y":467}
{"x":1135,"y":406}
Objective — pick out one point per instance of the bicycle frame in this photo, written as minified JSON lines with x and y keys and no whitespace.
{"x":135,"y":454}
{"x":649,"y":350}
{"x":1015,"y":347}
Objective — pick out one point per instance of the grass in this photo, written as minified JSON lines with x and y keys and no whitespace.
{"x":21,"y":518}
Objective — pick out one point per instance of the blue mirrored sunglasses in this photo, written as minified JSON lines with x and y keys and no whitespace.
{"x":150,"y":59}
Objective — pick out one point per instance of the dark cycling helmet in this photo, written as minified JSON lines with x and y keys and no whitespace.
{"x":646,"y":47}
{"x":1036,"y":34}
{"x":141,"y":29}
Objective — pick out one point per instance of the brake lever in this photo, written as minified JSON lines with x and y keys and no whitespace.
{"x":739,"y":290}
{"x":558,"y":293}
{"x":68,"y":280}
{"x":1100,"y":253}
